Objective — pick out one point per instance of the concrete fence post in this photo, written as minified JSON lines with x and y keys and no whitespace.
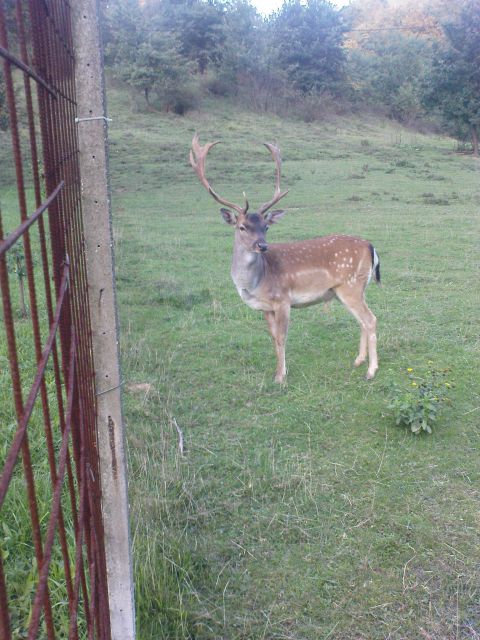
{"x":92,"y":133}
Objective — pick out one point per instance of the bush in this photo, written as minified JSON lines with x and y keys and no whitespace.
{"x":218,"y":86}
{"x":179,"y":99}
{"x":417,"y":403}
{"x":313,"y":106}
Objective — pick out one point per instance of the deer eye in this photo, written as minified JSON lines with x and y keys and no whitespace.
{"x":267,"y":227}
{"x":241,"y":227}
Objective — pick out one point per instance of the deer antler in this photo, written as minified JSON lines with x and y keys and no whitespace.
{"x":198,"y":154}
{"x":278,"y":195}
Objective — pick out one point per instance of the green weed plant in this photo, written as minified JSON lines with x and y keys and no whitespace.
{"x":16,"y":265}
{"x":417,"y":402}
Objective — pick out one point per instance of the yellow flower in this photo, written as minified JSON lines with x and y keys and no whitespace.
{"x":409,"y":369}
{"x":414,"y":384}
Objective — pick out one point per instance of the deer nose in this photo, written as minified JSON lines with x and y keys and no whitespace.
{"x":263,"y":246}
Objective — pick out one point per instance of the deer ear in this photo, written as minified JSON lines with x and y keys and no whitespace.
{"x":274,"y":216}
{"x":228,"y":216}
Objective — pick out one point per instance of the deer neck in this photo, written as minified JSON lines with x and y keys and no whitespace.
{"x":248,"y":268}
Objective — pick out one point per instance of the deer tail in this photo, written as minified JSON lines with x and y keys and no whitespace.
{"x":375,"y":264}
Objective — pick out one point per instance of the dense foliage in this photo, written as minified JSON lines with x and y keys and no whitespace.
{"x":454,"y":82}
{"x":409,"y":60}
{"x":388,"y":72}
{"x":308,"y":44}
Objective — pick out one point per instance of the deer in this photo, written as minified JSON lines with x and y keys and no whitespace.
{"x":274,"y":278}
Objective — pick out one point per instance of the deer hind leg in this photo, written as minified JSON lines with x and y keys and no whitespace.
{"x":363,"y":349}
{"x":278,"y":326}
{"x":368,"y":325}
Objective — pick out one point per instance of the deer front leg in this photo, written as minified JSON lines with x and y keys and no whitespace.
{"x":270,"y":318}
{"x":278,"y":326}
{"x":272,"y":328}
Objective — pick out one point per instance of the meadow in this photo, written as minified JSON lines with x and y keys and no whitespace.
{"x":296,"y":512}
{"x":299,"y":512}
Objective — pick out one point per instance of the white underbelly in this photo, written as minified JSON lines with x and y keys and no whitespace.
{"x":307,"y":298}
{"x":297,"y":299}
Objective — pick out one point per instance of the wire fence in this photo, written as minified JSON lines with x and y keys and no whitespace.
{"x":52,"y":556}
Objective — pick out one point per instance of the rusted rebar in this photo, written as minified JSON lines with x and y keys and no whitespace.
{"x":59,"y":323}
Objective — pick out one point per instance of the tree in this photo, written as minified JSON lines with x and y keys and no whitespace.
{"x":307,"y":42}
{"x":157,"y":67}
{"x":454,"y":85}
{"x":419,"y":18}
{"x":198,"y":26}
{"x":244,"y":63}
{"x":146,"y":56}
{"x":243,"y":39}
{"x":388,"y":70}
{"x":124,"y":30}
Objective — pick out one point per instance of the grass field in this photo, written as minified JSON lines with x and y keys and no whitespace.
{"x":300,"y":512}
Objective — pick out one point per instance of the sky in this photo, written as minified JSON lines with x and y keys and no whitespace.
{"x":266,"y":7}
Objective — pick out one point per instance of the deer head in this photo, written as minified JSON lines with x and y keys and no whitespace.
{"x":250,"y":228}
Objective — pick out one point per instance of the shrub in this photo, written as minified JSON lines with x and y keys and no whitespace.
{"x":179,"y":99}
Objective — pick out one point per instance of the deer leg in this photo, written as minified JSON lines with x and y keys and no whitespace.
{"x":278,"y":325}
{"x":368,"y":324}
{"x":270,"y":318}
{"x":272,"y":327}
{"x":362,"y":351}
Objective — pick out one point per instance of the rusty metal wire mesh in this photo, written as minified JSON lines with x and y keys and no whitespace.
{"x":52,"y":560}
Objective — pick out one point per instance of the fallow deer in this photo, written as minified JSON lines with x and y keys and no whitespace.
{"x":273,"y":278}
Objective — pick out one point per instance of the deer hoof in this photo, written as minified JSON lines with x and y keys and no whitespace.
{"x":359,"y":361}
{"x":280,"y":378}
{"x":370,"y":374}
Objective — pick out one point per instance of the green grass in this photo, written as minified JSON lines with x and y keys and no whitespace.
{"x":298,"y":512}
